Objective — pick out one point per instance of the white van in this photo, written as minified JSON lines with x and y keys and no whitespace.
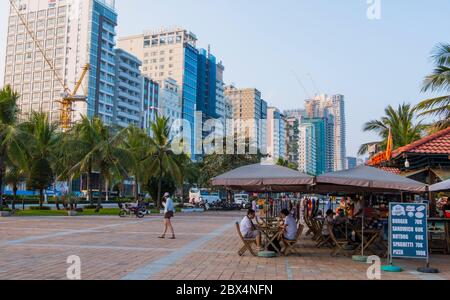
{"x":241,"y":199}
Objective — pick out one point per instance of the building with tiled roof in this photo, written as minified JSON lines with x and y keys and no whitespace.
{"x":426,"y":160}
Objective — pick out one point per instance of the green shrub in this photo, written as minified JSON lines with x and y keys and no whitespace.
{"x":93,"y":206}
{"x":5,"y":209}
{"x":40,"y":208}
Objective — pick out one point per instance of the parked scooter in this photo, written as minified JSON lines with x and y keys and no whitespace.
{"x":130,"y":209}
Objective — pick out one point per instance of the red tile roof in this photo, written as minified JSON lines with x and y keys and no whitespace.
{"x":391,"y":170}
{"x":438,"y":143}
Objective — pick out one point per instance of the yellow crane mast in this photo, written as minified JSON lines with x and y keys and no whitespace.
{"x":69,"y":96}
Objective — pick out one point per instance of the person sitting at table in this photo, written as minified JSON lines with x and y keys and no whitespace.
{"x":328,"y":221}
{"x":289,"y":227}
{"x":340,"y":218}
{"x":339,"y":223}
{"x":319,"y":216}
{"x":248,"y":229}
{"x":359,"y":208}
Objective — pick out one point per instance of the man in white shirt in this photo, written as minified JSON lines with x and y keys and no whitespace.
{"x":290,"y":225}
{"x":248,"y":229}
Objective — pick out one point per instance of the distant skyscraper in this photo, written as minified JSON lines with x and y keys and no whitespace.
{"x":295,"y":113}
{"x":169,"y":101}
{"x":292,"y":139}
{"x":73,"y":33}
{"x":276,"y":134}
{"x":340,"y":131}
{"x":150,"y":102}
{"x":220,"y":93}
{"x":319,"y":127}
{"x":326,"y":107}
{"x":307,"y":149}
{"x":250,"y":111}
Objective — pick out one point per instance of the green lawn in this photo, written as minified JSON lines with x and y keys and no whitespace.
{"x":86,"y":212}
{"x":55,"y":213}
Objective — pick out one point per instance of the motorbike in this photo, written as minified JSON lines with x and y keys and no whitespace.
{"x":130,"y":209}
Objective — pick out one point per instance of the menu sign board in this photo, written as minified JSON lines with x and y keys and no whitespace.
{"x":408,"y":230}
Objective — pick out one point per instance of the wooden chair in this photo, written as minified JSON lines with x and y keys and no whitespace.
{"x":248,"y":243}
{"x":290,"y":245}
{"x":339,"y":243}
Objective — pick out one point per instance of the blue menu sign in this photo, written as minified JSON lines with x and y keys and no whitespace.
{"x":408,"y":230}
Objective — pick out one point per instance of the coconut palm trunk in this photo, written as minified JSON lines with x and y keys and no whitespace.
{"x":99,"y":199}
{"x":15,"y":189}
{"x":41,"y":198}
{"x":160,"y":184}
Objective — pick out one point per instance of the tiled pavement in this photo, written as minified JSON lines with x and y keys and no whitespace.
{"x":206,"y":248}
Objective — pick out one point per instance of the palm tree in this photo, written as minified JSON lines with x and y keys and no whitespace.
{"x":162,"y":161}
{"x":44,"y":140}
{"x":138,"y":144}
{"x":13,"y":176}
{"x":405,"y":130}
{"x":11,"y":135}
{"x":438,"y":81}
{"x":106,"y":156}
{"x":82,"y":139}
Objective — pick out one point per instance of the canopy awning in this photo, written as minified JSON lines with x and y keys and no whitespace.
{"x":264,"y":178}
{"x":366,"y":179}
{"x":441,"y":187}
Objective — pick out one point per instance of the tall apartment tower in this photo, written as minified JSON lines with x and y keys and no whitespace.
{"x":293,"y":119}
{"x":307,"y":149}
{"x":128,"y":92}
{"x":150,"y":102}
{"x":169,"y":53}
{"x":72,"y":33}
{"x":276,"y":134}
{"x":322,"y":106}
{"x":250,"y":114}
{"x":170,"y":103}
{"x":340,"y":132}
{"x":318,"y":126}
{"x":220,"y":93}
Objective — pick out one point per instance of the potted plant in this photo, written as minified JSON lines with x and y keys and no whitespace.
{"x":72,"y":200}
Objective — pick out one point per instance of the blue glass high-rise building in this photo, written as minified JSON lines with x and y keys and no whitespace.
{"x":319,"y":135}
{"x":206,"y":84}
{"x":102,"y":59}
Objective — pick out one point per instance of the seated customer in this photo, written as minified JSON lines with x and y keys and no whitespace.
{"x":290,"y":225}
{"x":319,"y":216}
{"x":248,"y":229}
{"x":340,"y":218}
{"x":328,"y":221}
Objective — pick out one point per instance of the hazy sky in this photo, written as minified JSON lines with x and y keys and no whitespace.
{"x":262,"y":42}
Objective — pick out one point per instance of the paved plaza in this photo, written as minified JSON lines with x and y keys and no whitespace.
{"x":205,"y":249}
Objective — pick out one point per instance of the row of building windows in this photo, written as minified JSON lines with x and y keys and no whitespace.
{"x":162,"y":52}
{"x":42,"y":14}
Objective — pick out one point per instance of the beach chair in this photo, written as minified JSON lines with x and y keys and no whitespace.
{"x":290,"y":245}
{"x":248,"y":243}
{"x":339,"y":244}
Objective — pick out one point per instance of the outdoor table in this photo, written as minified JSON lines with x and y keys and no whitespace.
{"x":270,"y":234}
{"x":369,"y":237}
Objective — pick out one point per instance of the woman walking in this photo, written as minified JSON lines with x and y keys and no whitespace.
{"x":168,"y":215}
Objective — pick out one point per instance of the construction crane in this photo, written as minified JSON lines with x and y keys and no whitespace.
{"x":69,"y":97}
